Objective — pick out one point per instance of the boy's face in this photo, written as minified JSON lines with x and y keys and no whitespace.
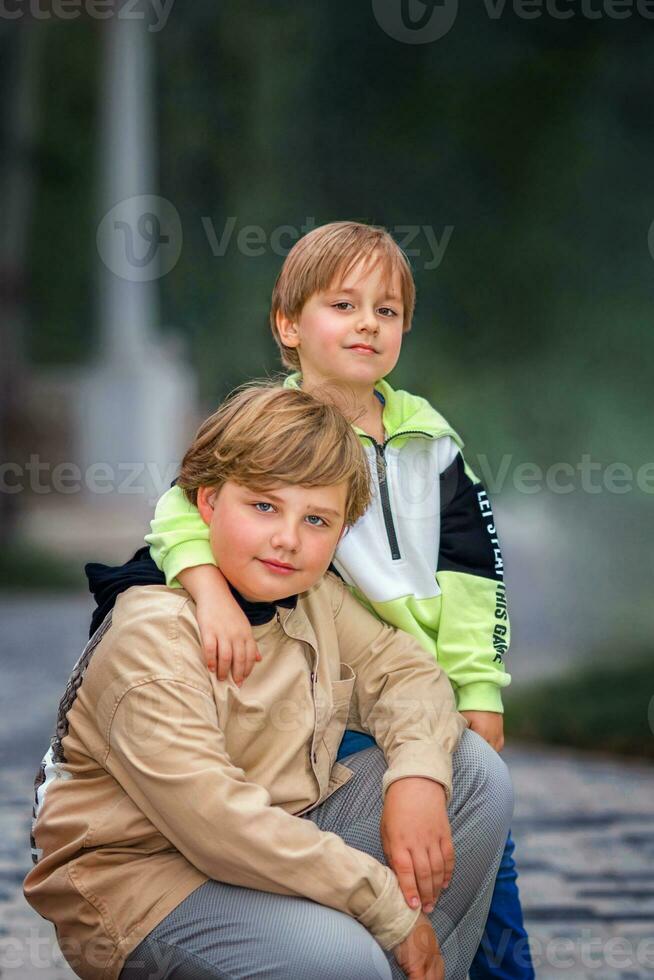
{"x":272,"y":544}
{"x":352,"y":332}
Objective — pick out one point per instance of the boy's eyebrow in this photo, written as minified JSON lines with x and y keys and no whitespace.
{"x":352,"y":292}
{"x":310,"y":510}
{"x":324,"y":510}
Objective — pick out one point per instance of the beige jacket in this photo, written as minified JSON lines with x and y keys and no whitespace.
{"x":161,"y":777}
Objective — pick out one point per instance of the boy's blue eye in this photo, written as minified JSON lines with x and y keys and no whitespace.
{"x":315,"y":517}
{"x":263,"y":503}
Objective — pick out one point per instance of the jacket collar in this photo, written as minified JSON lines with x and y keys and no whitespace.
{"x":261,"y":612}
{"x":403,"y":412}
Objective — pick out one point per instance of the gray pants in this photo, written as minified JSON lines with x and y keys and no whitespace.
{"x":225,"y":932}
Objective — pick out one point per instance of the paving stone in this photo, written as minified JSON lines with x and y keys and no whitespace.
{"x":583,"y":831}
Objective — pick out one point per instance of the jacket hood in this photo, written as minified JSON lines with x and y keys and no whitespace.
{"x":403,"y":412}
{"x":106,"y":582}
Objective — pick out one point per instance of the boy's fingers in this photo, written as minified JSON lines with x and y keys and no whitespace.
{"x":209,"y":648}
{"x":224,"y":660}
{"x":250,"y":656}
{"x":447,"y":850}
{"x":438,"y":873}
{"x":403,"y":868}
{"x":436,"y":969}
{"x":428,"y":882}
{"x":238,"y":661}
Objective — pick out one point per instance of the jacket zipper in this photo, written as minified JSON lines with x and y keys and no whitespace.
{"x":382,"y":480}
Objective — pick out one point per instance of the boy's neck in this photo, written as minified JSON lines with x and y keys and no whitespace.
{"x":370,"y":409}
{"x":257,"y":611}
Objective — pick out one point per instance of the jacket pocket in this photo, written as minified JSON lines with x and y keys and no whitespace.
{"x":341,"y":695}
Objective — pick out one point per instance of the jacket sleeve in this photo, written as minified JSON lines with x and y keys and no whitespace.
{"x":179,"y":537}
{"x":401,"y":696}
{"x":168,"y":752}
{"x":473,"y":633}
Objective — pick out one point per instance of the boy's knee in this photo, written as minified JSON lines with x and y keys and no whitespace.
{"x":347,"y":951}
{"x":479,"y":772}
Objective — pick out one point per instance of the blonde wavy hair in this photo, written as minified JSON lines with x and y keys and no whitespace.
{"x":264,"y":435}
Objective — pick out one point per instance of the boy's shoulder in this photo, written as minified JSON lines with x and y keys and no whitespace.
{"x":150,"y":635}
{"x":152,"y":603}
{"x":404,"y":410}
{"x":153,"y":632}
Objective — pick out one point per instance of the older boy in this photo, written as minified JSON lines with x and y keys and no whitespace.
{"x":188,"y":828}
{"x":425,"y":557}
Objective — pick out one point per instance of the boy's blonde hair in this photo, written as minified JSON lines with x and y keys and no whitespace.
{"x":264,"y":435}
{"x":328,"y":253}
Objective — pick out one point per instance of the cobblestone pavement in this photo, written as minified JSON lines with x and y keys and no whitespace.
{"x":583,"y":827}
{"x":584,"y":833}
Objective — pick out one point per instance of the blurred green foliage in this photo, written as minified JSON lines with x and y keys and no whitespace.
{"x":25,"y":568}
{"x":532,"y":139}
{"x":608,"y":707}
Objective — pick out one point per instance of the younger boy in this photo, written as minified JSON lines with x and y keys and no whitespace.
{"x":425,"y":557}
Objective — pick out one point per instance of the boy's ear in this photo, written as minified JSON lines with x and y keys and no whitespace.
{"x":287,"y":330}
{"x":206,"y":501}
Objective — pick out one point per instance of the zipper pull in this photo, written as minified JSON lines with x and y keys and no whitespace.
{"x":381,"y":463}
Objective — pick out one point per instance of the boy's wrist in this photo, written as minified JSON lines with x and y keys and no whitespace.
{"x":202,"y":581}
{"x":479,"y":696}
{"x":185,"y":556}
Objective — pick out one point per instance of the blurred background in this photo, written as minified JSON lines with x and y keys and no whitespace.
{"x":159,"y":159}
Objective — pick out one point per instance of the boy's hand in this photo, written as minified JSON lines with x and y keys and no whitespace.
{"x":225,"y":630}
{"x":488,"y":724}
{"x":416,"y":837}
{"x":419,"y":955}
{"x":227,"y":639}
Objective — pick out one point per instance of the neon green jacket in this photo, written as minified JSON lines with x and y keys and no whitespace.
{"x":425,"y":556}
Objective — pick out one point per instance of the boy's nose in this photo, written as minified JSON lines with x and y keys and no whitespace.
{"x":368,"y":323}
{"x":286,"y":538}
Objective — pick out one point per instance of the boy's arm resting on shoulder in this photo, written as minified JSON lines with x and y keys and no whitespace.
{"x":474,"y":631}
{"x":401,"y":696}
{"x":179,"y":545}
{"x":227,"y":639}
{"x":168,"y":752}
{"x":179,"y":538}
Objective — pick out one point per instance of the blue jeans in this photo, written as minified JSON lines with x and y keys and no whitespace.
{"x":504,"y":950}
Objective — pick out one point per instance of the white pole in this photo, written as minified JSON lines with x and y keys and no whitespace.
{"x":128,"y":306}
